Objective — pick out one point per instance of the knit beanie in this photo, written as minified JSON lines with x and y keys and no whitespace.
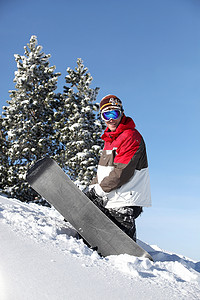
{"x":110,"y":102}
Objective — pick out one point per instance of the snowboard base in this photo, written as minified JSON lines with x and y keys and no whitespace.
{"x":51,"y":182}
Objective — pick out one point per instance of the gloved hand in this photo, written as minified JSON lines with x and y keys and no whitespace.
{"x":96,"y":199}
{"x":99,"y":191}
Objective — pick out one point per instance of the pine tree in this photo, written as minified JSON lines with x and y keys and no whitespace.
{"x":4,"y":163}
{"x":29,"y":117}
{"x":79,"y":126}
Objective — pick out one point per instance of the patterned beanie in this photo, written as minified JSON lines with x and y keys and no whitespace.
{"x":110,"y":102}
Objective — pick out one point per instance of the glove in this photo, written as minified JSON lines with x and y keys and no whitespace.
{"x":99,"y":191}
{"x":96,"y":199}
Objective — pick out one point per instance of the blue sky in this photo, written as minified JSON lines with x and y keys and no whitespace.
{"x":148,"y":54}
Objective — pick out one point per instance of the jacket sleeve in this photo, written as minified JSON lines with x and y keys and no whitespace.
{"x":131,"y":155}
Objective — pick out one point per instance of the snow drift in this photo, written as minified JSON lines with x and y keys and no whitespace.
{"x":40,"y":258}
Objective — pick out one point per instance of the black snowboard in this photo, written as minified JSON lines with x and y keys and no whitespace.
{"x":50,"y":181}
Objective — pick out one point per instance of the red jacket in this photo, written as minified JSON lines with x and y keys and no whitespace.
{"x":123,"y":168}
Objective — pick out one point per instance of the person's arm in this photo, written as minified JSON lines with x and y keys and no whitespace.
{"x":125,"y":163}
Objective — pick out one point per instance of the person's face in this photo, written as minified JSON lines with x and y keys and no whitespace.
{"x":112,"y":124}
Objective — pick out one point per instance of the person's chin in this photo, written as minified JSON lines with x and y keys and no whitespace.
{"x":113,"y":128}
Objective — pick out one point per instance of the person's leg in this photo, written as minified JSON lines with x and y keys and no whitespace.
{"x":124,"y":218}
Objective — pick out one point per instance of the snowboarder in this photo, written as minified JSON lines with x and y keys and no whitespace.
{"x":121,"y":188}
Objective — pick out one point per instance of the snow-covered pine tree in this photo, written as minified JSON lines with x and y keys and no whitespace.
{"x":80,"y":126}
{"x":30,"y":115}
{"x":4,"y":163}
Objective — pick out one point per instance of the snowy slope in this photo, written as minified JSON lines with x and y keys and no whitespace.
{"x":41,"y":259}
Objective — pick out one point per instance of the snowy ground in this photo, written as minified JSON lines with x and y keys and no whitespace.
{"x":41,"y":259}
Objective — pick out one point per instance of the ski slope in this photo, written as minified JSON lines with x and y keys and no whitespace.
{"x":40,"y":258}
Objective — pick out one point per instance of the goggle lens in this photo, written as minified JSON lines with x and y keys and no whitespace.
{"x":111,"y":114}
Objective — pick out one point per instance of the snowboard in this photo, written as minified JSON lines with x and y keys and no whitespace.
{"x":52,"y":183}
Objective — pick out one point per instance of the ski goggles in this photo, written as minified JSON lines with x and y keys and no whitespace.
{"x":111,"y":114}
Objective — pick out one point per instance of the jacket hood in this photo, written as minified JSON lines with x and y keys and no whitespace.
{"x":125,"y":124}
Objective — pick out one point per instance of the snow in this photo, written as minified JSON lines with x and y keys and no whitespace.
{"x":40,"y":258}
